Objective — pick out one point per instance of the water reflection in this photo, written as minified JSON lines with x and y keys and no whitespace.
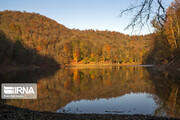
{"x":120,"y":90}
{"x":133,"y":103}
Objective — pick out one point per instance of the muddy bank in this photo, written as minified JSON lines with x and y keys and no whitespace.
{"x":173,"y":68}
{"x":8,"y":112}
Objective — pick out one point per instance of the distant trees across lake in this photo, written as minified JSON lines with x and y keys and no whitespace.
{"x":60,"y":45}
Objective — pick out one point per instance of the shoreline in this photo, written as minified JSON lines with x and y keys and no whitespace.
{"x":107,"y":64}
{"x":10,"y":68}
{"x":11,"y":112}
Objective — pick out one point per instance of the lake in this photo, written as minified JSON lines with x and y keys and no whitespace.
{"x":102,"y":90}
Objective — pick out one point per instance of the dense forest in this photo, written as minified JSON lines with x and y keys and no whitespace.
{"x":48,"y":38}
{"x":166,"y":47}
{"x":30,"y":38}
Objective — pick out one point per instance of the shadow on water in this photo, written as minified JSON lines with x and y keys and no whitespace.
{"x":89,"y":85}
{"x":167,"y":89}
{"x":26,"y":76}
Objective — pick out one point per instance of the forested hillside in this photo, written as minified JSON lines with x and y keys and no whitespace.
{"x":45,"y":37}
{"x":166,"y":49}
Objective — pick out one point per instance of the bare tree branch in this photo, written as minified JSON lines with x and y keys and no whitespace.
{"x":146,"y":10}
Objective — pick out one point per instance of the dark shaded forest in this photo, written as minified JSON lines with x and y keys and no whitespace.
{"x":57,"y":44}
{"x":166,"y":49}
{"x":15,"y":53}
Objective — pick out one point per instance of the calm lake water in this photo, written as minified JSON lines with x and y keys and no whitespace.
{"x":112,"y":90}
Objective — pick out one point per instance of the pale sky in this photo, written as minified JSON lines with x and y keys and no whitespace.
{"x":79,"y":14}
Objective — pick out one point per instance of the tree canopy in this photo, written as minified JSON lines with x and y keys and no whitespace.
{"x":49,"y":38}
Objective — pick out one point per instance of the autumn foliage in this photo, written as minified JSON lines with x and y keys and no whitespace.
{"x":167,"y":38}
{"x":65,"y":45}
{"x":49,"y":38}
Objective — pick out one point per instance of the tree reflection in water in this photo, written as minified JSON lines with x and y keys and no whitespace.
{"x":74,"y":84}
